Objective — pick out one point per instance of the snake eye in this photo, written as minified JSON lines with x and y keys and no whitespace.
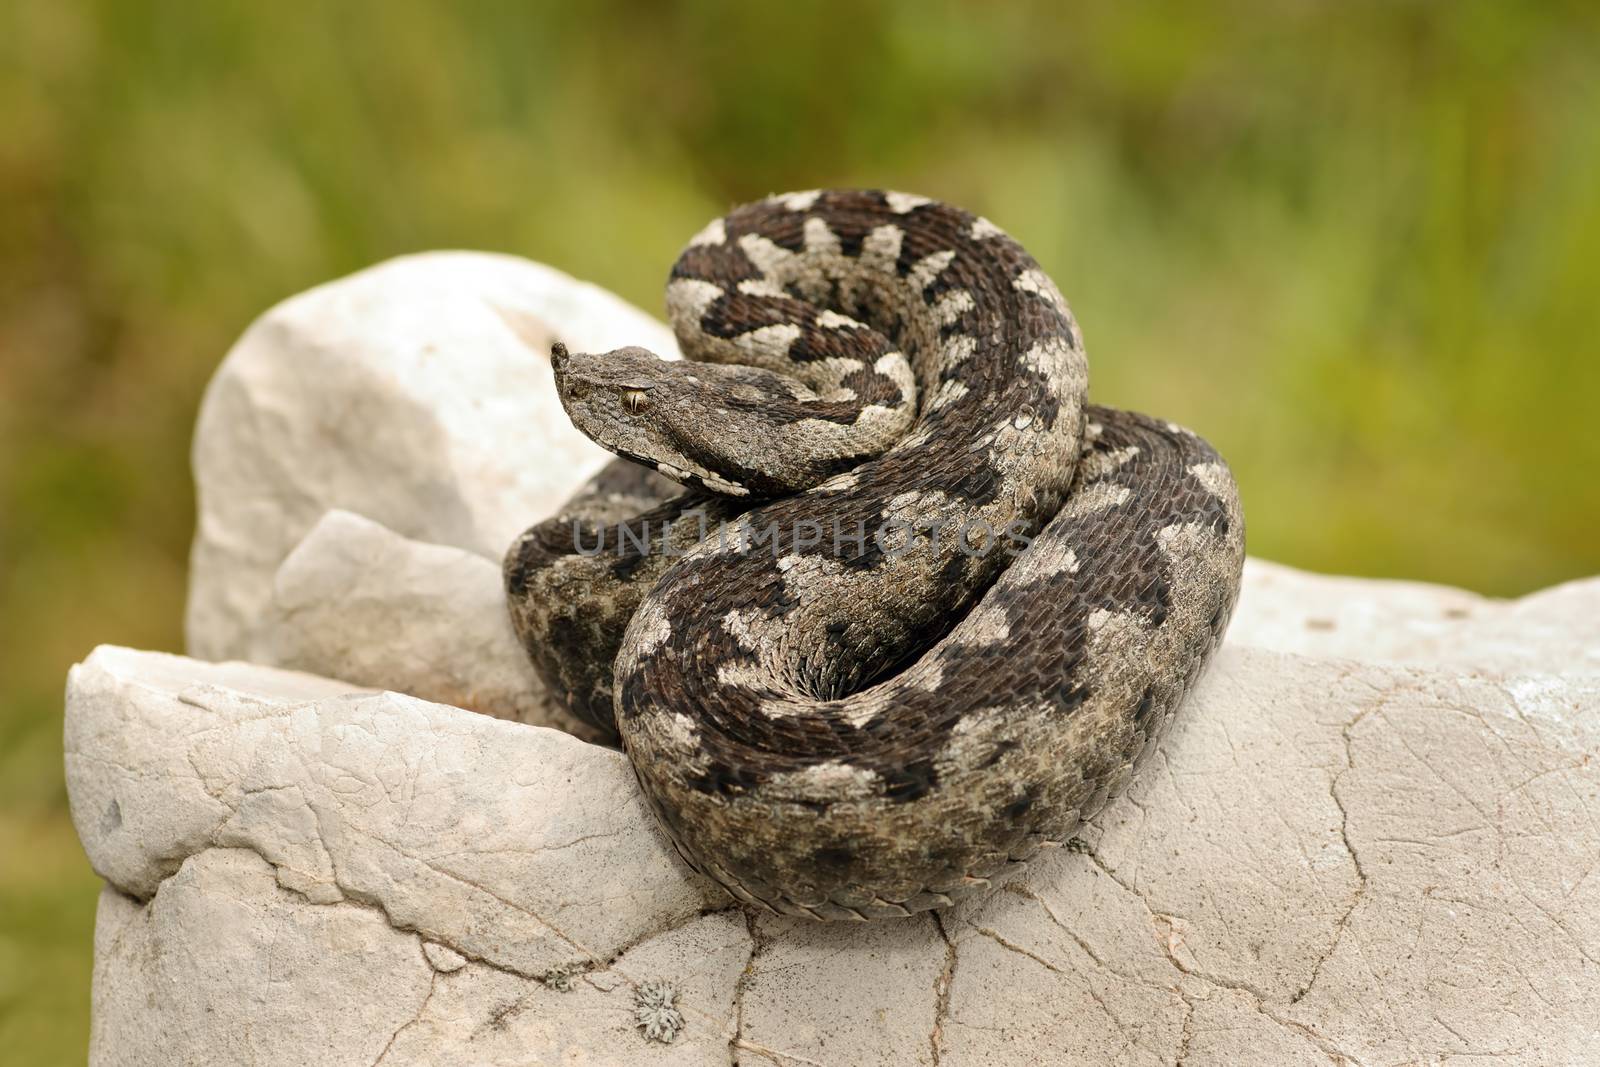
{"x":634,"y":398}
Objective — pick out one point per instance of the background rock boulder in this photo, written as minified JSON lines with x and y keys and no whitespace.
{"x":446,"y":636}
{"x":416,"y":393}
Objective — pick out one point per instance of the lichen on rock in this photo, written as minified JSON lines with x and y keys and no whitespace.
{"x":655,"y":1011}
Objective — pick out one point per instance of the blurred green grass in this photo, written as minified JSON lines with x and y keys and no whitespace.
{"x":1356,"y":244}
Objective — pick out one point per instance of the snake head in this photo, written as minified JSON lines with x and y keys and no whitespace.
{"x":644,"y":408}
{"x":732,"y":429}
{"x":591,"y":383}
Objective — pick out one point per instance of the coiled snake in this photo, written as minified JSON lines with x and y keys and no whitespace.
{"x":913,"y":609}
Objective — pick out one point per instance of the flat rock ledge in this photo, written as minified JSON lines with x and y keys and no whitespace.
{"x":1329,"y":862}
{"x":1372,"y":836}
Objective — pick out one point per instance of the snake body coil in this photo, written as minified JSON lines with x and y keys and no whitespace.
{"x":921,"y":609}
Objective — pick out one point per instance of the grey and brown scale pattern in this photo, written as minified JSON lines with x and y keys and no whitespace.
{"x":856,"y":727}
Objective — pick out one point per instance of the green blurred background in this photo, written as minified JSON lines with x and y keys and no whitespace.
{"x":1357,"y":244}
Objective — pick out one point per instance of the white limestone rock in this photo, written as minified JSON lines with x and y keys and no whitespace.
{"x":1328,"y":862}
{"x":357,"y":601}
{"x":448,"y":821}
{"x":1554,"y":631}
{"x":416,"y":393}
{"x":213,"y":952}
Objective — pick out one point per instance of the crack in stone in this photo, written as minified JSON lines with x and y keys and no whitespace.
{"x":1346,"y":731}
{"x":541,"y":850}
{"x":1027,"y":893}
{"x":433,"y":983}
{"x":758,"y":944}
{"x":1350,"y":849}
{"x":1186,"y":1032}
{"x":371,"y":899}
{"x":1012,"y":946}
{"x":1105,"y":869}
{"x":670,"y":928}
{"x":739,"y":1043}
{"x":773,"y":1055}
{"x":1259,"y":998}
{"x":941,"y":991}
{"x":1128,"y":1037}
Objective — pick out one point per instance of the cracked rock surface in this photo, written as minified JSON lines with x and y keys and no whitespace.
{"x":1329,"y":862}
{"x":1372,"y":837}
